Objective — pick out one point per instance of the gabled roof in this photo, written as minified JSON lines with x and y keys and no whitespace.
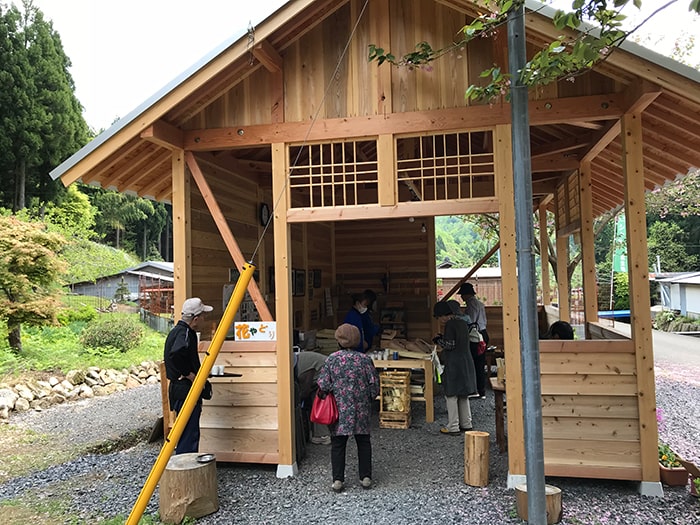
{"x":682,"y":278}
{"x":119,"y":158}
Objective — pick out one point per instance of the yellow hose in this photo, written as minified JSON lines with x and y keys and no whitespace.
{"x":192,"y":397}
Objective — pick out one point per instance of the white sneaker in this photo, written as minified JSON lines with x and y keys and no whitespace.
{"x":321,"y":440}
{"x":366,"y":483}
{"x":337,"y":485}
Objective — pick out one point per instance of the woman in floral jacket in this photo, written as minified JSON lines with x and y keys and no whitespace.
{"x":353,"y":380}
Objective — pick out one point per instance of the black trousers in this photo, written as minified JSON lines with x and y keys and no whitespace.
{"x":189,"y":441}
{"x":479,"y":366}
{"x":364,"y":456}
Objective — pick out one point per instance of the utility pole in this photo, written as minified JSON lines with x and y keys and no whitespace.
{"x":527,"y":291}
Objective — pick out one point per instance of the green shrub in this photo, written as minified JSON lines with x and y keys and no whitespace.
{"x":70,"y":315}
{"x":113,"y":332}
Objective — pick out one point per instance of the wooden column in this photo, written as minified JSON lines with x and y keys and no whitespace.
{"x":283,"y":308}
{"x":638,"y":268}
{"x":590,"y":287}
{"x":544,"y":255}
{"x":562,"y":247}
{"x":511,"y":323}
{"x":386,"y":172}
{"x":182,"y":234}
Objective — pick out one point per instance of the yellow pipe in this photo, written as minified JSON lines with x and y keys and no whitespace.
{"x":192,"y":397}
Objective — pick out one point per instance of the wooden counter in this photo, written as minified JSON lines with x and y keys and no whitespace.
{"x":427,"y":366}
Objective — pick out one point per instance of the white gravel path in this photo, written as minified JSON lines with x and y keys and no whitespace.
{"x":418,"y":473}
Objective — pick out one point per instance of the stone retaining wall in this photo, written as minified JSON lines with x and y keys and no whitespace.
{"x":77,"y":384}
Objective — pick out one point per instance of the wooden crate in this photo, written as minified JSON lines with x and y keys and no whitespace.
{"x":395,"y":399}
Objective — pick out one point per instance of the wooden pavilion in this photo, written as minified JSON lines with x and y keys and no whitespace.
{"x":344,"y":153}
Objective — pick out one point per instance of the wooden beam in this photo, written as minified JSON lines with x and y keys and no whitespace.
{"x":555,"y":162}
{"x":471,"y":271}
{"x":399,"y":211}
{"x":163,"y":134}
{"x":640,"y":95}
{"x":226,"y":235}
{"x":562,"y":146}
{"x":598,"y":107}
{"x":268,"y":56}
{"x":638,"y":268}
{"x":601,"y":141}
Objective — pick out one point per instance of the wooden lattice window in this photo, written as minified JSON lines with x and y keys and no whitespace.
{"x":446,"y":166}
{"x":333,"y":174}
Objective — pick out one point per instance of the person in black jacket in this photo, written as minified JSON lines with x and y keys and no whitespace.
{"x":181,"y":366}
{"x":459,"y":376}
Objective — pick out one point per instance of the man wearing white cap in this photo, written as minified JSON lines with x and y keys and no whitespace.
{"x":181,"y":367}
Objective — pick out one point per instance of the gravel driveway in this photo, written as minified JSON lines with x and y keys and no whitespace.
{"x":418,"y":473}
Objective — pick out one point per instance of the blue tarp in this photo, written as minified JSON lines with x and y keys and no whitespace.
{"x":614,"y":314}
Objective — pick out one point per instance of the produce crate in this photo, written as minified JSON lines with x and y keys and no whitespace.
{"x":395,"y":399}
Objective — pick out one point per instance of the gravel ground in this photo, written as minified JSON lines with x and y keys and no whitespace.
{"x":418,"y":473}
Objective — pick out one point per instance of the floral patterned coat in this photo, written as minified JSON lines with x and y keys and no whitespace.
{"x":353,"y":380}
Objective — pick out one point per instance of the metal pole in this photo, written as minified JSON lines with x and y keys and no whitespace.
{"x":192,"y":397}
{"x":527,"y":292}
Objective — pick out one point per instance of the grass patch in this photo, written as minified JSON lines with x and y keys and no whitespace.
{"x":57,"y":349}
{"x":25,"y":451}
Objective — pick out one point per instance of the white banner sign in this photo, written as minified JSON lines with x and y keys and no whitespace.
{"x":255,"y":331}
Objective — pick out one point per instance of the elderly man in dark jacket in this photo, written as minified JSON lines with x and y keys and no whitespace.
{"x":181,"y":367}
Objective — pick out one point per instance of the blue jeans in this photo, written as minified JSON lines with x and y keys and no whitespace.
{"x":189,"y":441}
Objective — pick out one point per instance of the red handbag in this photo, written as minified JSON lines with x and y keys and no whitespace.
{"x":324,"y":411}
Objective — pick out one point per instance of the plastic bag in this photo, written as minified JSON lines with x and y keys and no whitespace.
{"x":324,"y":410}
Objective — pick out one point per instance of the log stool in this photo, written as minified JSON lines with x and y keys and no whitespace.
{"x":476,"y":458}
{"x":188,"y":487}
{"x":552,"y":496}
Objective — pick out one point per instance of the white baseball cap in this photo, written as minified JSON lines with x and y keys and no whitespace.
{"x":195,"y":306}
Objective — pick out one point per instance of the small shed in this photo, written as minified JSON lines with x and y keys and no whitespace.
{"x":134,"y":278}
{"x":681,"y":292}
{"x":291,"y":118}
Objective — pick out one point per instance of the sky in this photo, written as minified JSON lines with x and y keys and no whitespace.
{"x":124,"y":52}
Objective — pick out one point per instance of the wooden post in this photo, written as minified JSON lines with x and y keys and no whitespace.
{"x":476,"y":458}
{"x":552,"y":496}
{"x":187,"y":488}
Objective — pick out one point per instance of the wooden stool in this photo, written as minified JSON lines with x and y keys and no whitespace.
{"x":476,"y":458}
{"x":552,"y":496}
{"x":187,"y":488}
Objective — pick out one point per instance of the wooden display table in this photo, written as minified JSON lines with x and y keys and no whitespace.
{"x":427,"y":366}
{"x":498,"y":390}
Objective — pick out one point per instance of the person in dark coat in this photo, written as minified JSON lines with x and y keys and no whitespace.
{"x":459,"y":376}
{"x":353,"y":380}
{"x":181,"y":367}
{"x":360,"y":315}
